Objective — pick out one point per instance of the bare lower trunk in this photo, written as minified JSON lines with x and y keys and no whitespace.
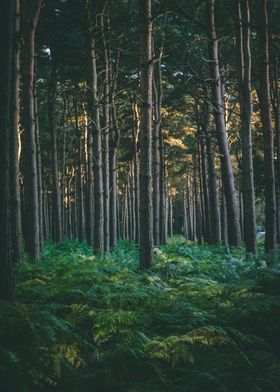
{"x":16,"y":234}
{"x":32,"y":239}
{"x":264,"y":100}
{"x":244,"y":72}
{"x":234,"y":234}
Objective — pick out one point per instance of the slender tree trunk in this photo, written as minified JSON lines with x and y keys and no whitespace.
{"x":32,"y":240}
{"x":234,"y":233}
{"x":156,"y":154}
{"x":56,"y":197}
{"x":162,"y":190}
{"x":106,"y":124}
{"x":146,"y":205}
{"x":89,"y":192}
{"x":135,"y":137}
{"x":7,"y":18}
{"x":39,"y":168}
{"x":212,"y":182}
{"x":264,"y":100}
{"x":276,"y":109}
{"x":16,"y":234}
{"x":245,"y":99}
{"x":97,"y":161}
{"x":224,"y":221}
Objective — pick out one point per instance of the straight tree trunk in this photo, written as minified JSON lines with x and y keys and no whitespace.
{"x":7,"y":28}
{"x":212,"y":182}
{"x":157,"y":98}
{"x":39,"y":167}
{"x":135,"y":137}
{"x":97,"y":158}
{"x":32,"y":240}
{"x":276,"y":109}
{"x":162,"y":190}
{"x":106,"y":125}
{"x":264,"y":101}
{"x":234,"y":234}
{"x":16,"y":234}
{"x":245,"y":99}
{"x":146,"y":78}
{"x":56,"y":197}
{"x":89,"y":185}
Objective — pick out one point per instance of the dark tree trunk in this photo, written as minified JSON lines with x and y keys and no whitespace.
{"x":106,"y":126}
{"x":224,"y":221}
{"x":135,"y":137}
{"x":276,"y":109}
{"x":244,"y":76}
{"x":89,"y":191}
{"x":97,"y":159}
{"x":32,"y":239}
{"x":212,"y":182}
{"x":39,"y":169}
{"x":157,"y":98}
{"x":146,"y":203}
{"x":264,"y":100}
{"x":7,"y":18}
{"x":56,"y":197}
{"x":234,"y":234}
{"x":16,"y":234}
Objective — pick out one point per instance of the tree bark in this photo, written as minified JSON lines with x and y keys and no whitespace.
{"x":32,"y":240}
{"x":264,"y":101}
{"x":146,"y":203}
{"x":16,"y":233}
{"x":7,"y":17}
{"x":234,"y":234}
{"x":245,"y":100}
{"x":56,"y":197}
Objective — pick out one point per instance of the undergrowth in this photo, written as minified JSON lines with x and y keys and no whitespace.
{"x":202,"y":319}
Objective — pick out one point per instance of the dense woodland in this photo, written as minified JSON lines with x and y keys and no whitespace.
{"x":140,"y":195}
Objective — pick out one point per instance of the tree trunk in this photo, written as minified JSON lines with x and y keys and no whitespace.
{"x":16,"y":234}
{"x":276,"y":109}
{"x":146,"y":203}
{"x":156,"y":153}
{"x":264,"y":100}
{"x":245,"y":99}
{"x":106,"y":126}
{"x":56,"y":197}
{"x":212,"y":182}
{"x":234,"y":234}
{"x":89,"y":185}
{"x":7,"y":18}
{"x":97,"y":159}
{"x":32,"y":240}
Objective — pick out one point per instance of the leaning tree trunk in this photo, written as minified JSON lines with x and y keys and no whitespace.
{"x":245,"y":99}
{"x":32,"y":239}
{"x":234,"y":233}
{"x":146,"y":64}
{"x":264,"y":100}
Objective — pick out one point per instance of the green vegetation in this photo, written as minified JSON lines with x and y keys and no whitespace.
{"x":202,"y":319}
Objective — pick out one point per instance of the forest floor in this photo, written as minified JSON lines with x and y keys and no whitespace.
{"x":202,"y":319}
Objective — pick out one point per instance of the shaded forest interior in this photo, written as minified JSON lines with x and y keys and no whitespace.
{"x":140,"y":195}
